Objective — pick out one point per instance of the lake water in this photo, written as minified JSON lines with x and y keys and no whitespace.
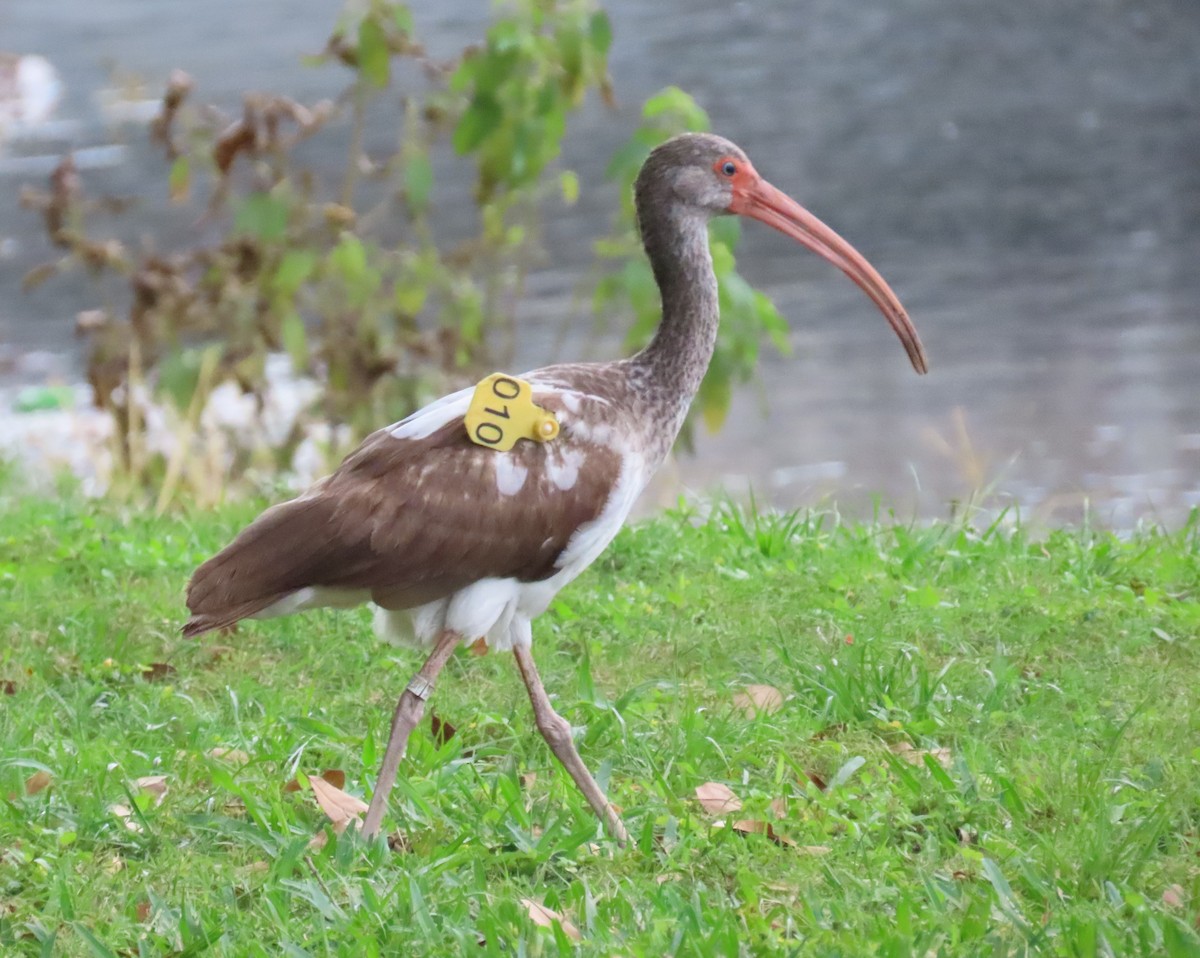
{"x":1027,"y":176}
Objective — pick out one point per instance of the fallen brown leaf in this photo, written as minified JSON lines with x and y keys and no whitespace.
{"x":399,"y":842}
{"x":755,"y":827}
{"x":442,"y":730}
{"x":1173,"y":896}
{"x":143,"y":910}
{"x":759,"y":698}
{"x":37,"y":782}
{"x":545,"y":918}
{"x":479,"y":646}
{"x":527,"y":780}
{"x":157,"y":671}
{"x":334,"y":776}
{"x":155,"y":785}
{"x":234,"y":756}
{"x":779,"y":806}
{"x":8,"y":687}
{"x":916,"y":756}
{"x":341,"y":807}
{"x":717,"y":798}
{"x":125,"y":813}
{"x":817,"y":780}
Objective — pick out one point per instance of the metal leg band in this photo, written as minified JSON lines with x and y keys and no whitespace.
{"x":421,"y":687}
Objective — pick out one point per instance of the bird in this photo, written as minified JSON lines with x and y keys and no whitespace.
{"x":462,"y":521}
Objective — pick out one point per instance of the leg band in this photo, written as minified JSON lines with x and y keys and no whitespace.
{"x":421,"y":687}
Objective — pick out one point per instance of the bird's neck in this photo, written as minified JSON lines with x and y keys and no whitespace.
{"x":674,"y":362}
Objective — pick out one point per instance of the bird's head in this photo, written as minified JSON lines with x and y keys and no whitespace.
{"x":707,"y":175}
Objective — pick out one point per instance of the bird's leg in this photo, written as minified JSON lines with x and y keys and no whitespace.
{"x":408,"y":713}
{"x":556,"y":730}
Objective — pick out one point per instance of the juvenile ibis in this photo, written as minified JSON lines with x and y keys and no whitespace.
{"x":454,"y":537}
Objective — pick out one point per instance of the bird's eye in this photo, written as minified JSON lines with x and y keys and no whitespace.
{"x":728,"y":168}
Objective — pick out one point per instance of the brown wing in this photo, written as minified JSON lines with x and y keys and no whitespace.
{"x":410,"y":520}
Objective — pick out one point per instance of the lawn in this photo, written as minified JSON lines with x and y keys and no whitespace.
{"x":984,"y":742}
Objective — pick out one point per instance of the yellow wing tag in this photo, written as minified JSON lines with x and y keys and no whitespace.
{"x":502,"y":411}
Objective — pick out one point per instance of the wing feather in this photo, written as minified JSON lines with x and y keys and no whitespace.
{"x":412,"y":519}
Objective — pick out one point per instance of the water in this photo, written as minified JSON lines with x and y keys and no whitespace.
{"x":1027,"y":176}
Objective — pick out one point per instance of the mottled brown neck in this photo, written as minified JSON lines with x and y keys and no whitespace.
{"x":673,"y":364}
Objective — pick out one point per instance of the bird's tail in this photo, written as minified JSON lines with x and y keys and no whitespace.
{"x":270,"y":559}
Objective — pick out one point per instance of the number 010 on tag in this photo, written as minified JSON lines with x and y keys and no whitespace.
{"x":503,"y":411}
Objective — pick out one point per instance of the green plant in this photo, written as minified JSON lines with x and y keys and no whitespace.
{"x":346,"y":274}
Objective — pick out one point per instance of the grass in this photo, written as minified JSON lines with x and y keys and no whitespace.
{"x":989,"y":744}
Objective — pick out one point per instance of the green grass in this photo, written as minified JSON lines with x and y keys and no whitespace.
{"x":1060,"y":674}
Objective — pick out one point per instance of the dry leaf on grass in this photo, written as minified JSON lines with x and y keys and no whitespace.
{"x":546,"y":917}
{"x":1173,"y":896}
{"x":916,"y":756}
{"x":442,"y":730}
{"x":143,"y":910}
{"x":755,"y":827}
{"x":234,"y":756}
{"x":37,"y":782}
{"x":399,"y":842}
{"x":479,"y":646}
{"x":341,"y":807}
{"x":155,"y":785}
{"x":528,"y":780}
{"x":779,"y":807}
{"x":125,"y":813}
{"x":717,"y":798}
{"x":157,"y":671}
{"x":759,"y":698}
{"x":334,"y":776}
{"x":8,"y":687}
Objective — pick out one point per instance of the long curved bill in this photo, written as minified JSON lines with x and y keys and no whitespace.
{"x":759,"y":200}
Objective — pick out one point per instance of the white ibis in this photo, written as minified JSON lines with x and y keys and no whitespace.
{"x":462,"y":521}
